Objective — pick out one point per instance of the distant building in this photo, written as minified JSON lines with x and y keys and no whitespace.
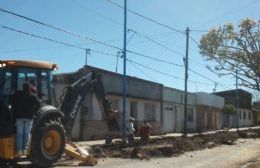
{"x":243,"y":104}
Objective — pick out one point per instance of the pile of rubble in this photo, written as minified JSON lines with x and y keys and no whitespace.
{"x":172,"y":146}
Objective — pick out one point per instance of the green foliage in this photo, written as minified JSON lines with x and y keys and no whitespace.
{"x":235,"y":49}
{"x":229,"y":109}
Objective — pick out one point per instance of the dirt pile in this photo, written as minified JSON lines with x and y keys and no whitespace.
{"x":250,"y":133}
{"x":171,"y":146}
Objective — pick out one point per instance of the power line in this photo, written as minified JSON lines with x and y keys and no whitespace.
{"x":196,"y":42}
{"x":133,"y":52}
{"x":149,"y":19}
{"x":57,"y":28}
{"x":99,"y":13}
{"x":140,"y":70}
{"x":81,"y":36}
{"x":70,"y":45}
{"x":171,"y":50}
{"x":105,"y":53}
{"x":166,"y":47}
{"x":55,"y":41}
{"x":41,"y":37}
{"x":47,"y":48}
{"x":156,"y":42}
{"x":155,"y":59}
{"x":204,"y":76}
{"x":166,"y":74}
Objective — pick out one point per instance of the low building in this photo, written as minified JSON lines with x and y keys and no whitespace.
{"x":256,"y":112}
{"x":208,"y":109}
{"x":173,"y":111}
{"x":143,"y":102}
{"x":242,"y":100}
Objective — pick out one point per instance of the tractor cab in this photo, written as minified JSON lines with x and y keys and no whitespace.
{"x":13,"y":74}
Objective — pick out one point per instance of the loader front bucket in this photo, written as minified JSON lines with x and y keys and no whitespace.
{"x":80,"y":154}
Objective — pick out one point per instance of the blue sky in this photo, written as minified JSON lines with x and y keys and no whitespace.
{"x":101,"y":20}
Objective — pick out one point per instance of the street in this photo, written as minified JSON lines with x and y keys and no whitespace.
{"x":245,"y":154}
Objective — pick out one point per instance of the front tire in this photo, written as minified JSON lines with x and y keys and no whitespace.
{"x":48,"y":143}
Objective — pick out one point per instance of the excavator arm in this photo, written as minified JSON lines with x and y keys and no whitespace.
{"x":75,"y":94}
{"x":72,"y":99}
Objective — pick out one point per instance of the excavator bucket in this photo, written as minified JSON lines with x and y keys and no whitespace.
{"x":80,"y":154}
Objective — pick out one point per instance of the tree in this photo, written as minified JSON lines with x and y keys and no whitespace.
{"x":234,"y":50}
{"x":229,"y":109}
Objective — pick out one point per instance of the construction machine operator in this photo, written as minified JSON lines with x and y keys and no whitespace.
{"x":25,"y":104}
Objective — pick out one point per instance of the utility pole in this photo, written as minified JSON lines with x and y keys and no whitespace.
{"x":124,"y":75}
{"x":186,"y":80}
{"x":215,"y":87}
{"x":119,"y":54}
{"x":87,"y":53}
{"x":237,"y":116}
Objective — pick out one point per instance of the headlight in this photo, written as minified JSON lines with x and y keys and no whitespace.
{"x":2,"y":64}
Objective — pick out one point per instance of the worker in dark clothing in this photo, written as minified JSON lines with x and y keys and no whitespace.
{"x":25,"y":105}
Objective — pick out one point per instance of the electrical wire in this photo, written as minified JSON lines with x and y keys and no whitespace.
{"x":105,"y":53}
{"x":156,"y":42}
{"x":41,"y":37}
{"x":204,"y":76}
{"x":58,"y":28}
{"x":145,"y":74}
{"x":149,"y":19}
{"x":133,"y":52}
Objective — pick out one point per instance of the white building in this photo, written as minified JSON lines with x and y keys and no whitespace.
{"x":173,"y":111}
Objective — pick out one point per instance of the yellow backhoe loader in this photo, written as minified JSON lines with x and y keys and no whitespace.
{"x":48,"y":139}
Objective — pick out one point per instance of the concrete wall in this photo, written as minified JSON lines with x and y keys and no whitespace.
{"x":173,"y":110}
{"x":209,"y":111}
{"x":245,"y":117}
{"x":136,"y":87}
{"x":209,"y":100}
{"x":177,"y":96}
{"x":208,"y":118}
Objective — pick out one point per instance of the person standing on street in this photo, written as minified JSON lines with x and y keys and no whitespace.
{"x":130,"y":131}
{"x":145,"y":132}
{"x":25,"y":105}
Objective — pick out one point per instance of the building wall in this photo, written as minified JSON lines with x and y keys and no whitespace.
{"x":141,"y":113}
{"x":228,"y":120}
{"x":177,"y":96}
{"x":210,"y":100}
{"x":208,"y":118}
{"x":209,"y":111}
{"x":256,"y":112}
{"x":173,"y":111}
{"x":245,"y":117}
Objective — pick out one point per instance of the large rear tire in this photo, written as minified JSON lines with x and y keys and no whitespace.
{"x":48,"y":143}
